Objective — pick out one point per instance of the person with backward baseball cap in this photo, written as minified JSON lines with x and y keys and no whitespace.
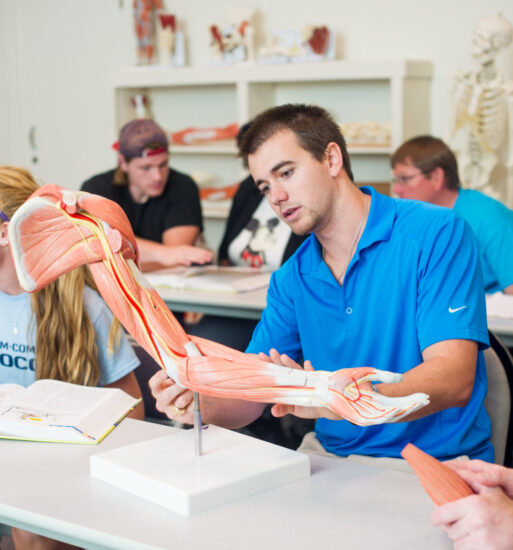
{"x":161,"y":203}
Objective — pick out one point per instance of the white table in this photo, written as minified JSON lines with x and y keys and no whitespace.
{"x":243,"y":305}
{"x":503,"y":328}
{"x":46,"y":488}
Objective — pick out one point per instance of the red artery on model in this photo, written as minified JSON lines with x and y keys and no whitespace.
{"x":57,"y":230}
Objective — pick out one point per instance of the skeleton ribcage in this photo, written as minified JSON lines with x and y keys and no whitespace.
{"x":492,"y":118}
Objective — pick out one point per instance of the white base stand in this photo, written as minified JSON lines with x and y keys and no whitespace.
{"x":166,"y":471}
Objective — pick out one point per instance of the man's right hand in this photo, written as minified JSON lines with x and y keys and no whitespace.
{"x":186,"y":255}
{"x":171,"y":399}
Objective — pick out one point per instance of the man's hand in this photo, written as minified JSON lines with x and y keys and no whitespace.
{"x":171,"y":399}
{"x":297,"y":410}
{"x":478,"y":522}
{"x":185,"y":255}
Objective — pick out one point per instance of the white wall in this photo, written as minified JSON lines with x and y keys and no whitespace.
{"x":56,"y":57}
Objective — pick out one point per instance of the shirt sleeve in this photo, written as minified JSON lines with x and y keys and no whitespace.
{"x":184,"y":205}
{"x":278,"y":327}
{"x":450,"y":300}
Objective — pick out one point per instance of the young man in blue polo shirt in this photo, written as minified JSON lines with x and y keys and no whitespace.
{"x":391,"y":284}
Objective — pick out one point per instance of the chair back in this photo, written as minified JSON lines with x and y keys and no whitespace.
{"x":499,"y":399}
{"x":143,"y":373}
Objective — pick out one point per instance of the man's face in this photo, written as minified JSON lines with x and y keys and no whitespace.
{"x":411,"y":183}
{"x":147,"y":176}
{"x":299,"y":188}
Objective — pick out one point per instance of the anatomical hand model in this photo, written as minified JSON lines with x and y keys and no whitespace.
{"x":57,"y":230}
{"x":481,"y":123}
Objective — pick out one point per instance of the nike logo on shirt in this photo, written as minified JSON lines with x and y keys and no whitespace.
{"x":456,"y":309}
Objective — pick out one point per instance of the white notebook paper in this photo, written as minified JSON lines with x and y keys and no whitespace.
{"x":211,"y":278}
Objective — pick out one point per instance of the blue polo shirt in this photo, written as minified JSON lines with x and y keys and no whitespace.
{"x":492,"y":224}
{"x":414,"y":280}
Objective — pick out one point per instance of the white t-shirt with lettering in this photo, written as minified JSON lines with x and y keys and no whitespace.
{"x":18,"y":340}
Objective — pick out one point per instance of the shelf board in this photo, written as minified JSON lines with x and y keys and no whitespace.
{"x":356,"y":150}
{"x":216,"y":209}
{"x":204,"y":149}
{"x":156,"y":76}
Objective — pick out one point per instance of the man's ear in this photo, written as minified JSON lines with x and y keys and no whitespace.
{"x":122,"y":162}
{"x":333,"y":156}
{"x":438,"y":177}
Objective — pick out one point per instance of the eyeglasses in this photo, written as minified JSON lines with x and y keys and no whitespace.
{"x":403,"y":180}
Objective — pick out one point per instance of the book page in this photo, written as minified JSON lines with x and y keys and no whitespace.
{"x":46,"y":407}
{"x":8,"y":390}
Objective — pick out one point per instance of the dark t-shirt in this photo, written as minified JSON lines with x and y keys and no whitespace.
{"x":178,"y":205}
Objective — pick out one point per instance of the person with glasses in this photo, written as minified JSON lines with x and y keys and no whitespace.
{"x":426,"y":169}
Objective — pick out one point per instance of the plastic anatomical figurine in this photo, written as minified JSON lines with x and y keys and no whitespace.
{"x":482,"y":112}
{"x":57,"y":230}
{"x":144,"y":28}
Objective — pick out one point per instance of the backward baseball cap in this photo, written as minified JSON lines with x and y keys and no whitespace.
{"x":135,"y":136}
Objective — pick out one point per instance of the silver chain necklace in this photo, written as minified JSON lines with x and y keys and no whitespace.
{"x":351,"y":250}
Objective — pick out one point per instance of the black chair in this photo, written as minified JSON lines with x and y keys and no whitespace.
{"x":499,"y":399}
{"x":143,"y":373}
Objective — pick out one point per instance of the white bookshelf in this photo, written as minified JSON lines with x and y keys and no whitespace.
{"x":395,"y":92}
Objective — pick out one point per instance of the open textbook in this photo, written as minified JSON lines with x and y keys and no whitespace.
{"x":211,"y":278}
{"x":51,"y":410}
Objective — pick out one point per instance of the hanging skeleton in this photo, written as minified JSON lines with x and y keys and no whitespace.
{"x":482,"y":112}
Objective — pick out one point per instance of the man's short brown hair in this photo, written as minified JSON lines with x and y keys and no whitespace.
{"x":313,"y":126}
{"x":427,"y":153}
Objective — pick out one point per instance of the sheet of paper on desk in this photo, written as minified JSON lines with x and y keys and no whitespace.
{"x":499,"y":305}
{"x":211,"y":278}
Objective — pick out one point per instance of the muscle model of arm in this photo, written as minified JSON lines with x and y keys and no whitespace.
{"x":57,"y":230}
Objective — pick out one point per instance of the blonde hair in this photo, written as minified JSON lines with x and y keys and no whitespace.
{"x":65,"y":337}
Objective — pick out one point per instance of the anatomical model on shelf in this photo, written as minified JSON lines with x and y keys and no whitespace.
{"x":233,"y":41}
{"x":366,"y":134}
{"x":57,"y":230}
{"x":144,"y":19}
{"x":310,"y":44}
{"x":171,"y":41}
{"x":481,"y":121}
{"x":193,"y":135}
{"x":140,"y":104}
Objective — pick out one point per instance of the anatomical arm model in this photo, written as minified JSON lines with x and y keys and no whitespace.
{"x":57,"y":230}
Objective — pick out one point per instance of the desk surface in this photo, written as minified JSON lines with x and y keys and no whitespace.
{"x":249,"y":305}
{"x":47,"y":488}
{"x":503,"y":328}
{"x":244,"y":305}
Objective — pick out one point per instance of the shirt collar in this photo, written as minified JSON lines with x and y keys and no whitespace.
{"x":379,"y":226}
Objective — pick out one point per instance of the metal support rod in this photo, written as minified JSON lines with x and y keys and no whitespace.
{"x":197,"y":425}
